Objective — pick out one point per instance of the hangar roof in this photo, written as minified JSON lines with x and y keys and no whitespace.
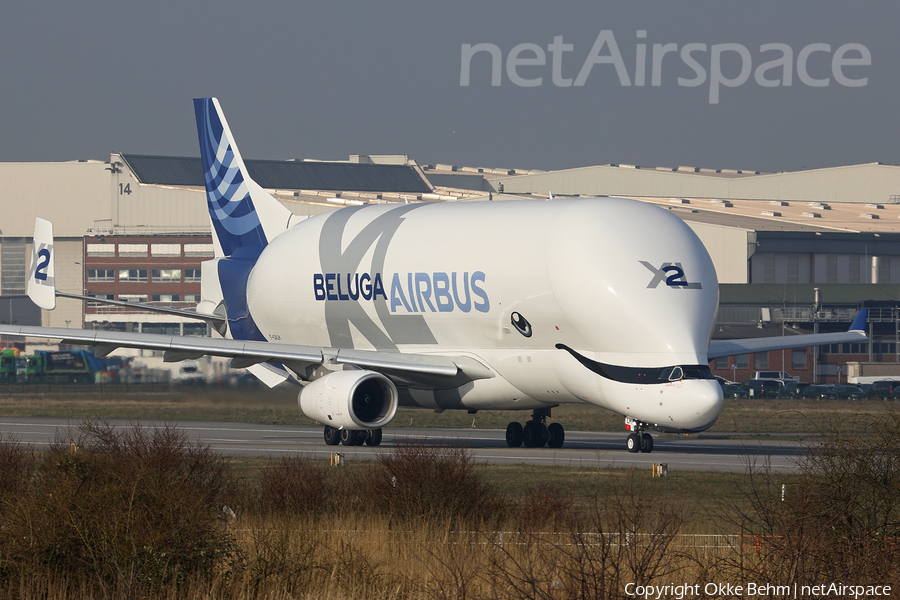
{"x":286,"y":175}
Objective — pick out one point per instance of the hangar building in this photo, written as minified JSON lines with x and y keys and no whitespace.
{"x":135,"y":228}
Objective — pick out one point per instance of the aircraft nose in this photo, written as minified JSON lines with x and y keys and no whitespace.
{"x":705,"y":401}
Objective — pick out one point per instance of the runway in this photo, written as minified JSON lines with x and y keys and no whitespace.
{"x":581,"y":449}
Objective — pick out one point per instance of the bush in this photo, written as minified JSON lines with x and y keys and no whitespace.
{"x":295,"y":486}
{"x":129,"y":509}
{"x":543,"y":507}
{"x":840,"y":517}
{"x":430,"y":484}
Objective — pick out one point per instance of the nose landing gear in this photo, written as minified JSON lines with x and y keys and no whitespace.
{"x":639,"y":440}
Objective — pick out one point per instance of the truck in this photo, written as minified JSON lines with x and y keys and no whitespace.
{"x":862,"y":373}
{"x":773,"y":376}
{"x":8,"y":358}
{"x":72,"y":366}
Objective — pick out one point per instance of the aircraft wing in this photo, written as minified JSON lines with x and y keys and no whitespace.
{"x":856,"y":333}
{"x":420,"y":370}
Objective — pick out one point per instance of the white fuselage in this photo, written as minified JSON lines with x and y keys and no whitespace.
{"x":620,"y":282}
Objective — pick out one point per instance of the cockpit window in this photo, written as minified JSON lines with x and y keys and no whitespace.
{"x":642,"y":375}
{"x":672,"y":374}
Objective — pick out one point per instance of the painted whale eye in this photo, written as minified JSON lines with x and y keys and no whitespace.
{"x":521,"y":324}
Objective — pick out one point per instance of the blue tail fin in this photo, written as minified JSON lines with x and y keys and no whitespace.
{"x":243,"y":214}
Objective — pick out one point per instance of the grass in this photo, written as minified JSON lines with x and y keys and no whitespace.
{"x":256,"y":405}
{"x":354,"y":531}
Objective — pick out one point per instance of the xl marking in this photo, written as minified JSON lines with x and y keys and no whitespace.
{"x":672,"y":274}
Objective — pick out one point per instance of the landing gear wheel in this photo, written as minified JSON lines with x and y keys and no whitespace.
{"x":349,"y":437}
{"x":514,"y":435}
{"x":332,"y":436}
{"x":535,"y":434}
{"x":646,"y":443}
{"x":557,"y":435}
{"x":633,"y":443}
{"x":374,"y":437}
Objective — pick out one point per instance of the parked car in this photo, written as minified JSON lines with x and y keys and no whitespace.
{"x":792,"y":389}
{"x":819,"y":392}
{"x":763,"y":388}
{"x":734,"y":390}
{"x":883,"y":389}
{"x":846,"y":391}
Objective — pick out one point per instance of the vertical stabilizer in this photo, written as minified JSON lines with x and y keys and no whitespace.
{"x":42,"y":275}
{"x":242,"y":213}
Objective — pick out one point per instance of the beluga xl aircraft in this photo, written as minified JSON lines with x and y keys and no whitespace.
{"x":512,"y":305}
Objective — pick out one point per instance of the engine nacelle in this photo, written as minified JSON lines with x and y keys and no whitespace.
{"x":350,"y":400}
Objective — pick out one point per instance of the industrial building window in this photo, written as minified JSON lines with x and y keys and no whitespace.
{"x":798,"y":360}
{"x":165,"y":275}
{"x":161,"y":328}
{"x":103,"y":296}
{"x":742,"y":361}
{"x":133,"y":275}
{"x":165,"y":249}
{"x":760,"y":361}
{"x":133,"y":297}
{"x":198,"y":249}
{"x":101,"y":249}
{"x":101,"y":275}
{"x":197,"y":329}
{"x":107,"y":326}
{"x":132,"y":249}
{"x":721,"y":362}
{"x":192,"y":275}
{"x":883,"y":348}
{"x":165,"y":297}
{"x":192,"y":297}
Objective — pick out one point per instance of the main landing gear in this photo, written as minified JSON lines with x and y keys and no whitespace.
{"x":352,"y":437}
{"x":536,"y":433}
{"x":639,"y":440}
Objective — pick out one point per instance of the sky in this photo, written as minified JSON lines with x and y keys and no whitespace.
{"x":764,"y":85}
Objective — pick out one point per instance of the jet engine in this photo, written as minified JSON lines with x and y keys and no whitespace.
{"x":350,"y":400}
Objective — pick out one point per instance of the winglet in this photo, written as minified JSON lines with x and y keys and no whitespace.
{"x":859,"y":323}
{"x":42,"y":276}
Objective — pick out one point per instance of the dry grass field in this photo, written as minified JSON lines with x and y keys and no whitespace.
{"x":139,"y":514}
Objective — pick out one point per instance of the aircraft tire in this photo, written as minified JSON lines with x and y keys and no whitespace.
{"x":534,"y":436}
{"x":374,"y":437}
{"x":646,"y":443}
{"x":332,"y":437}
{"x":633,"y":443}
{"x":514,"y":435}
{"x":349,"y":437}
{"x":557,"y":435}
